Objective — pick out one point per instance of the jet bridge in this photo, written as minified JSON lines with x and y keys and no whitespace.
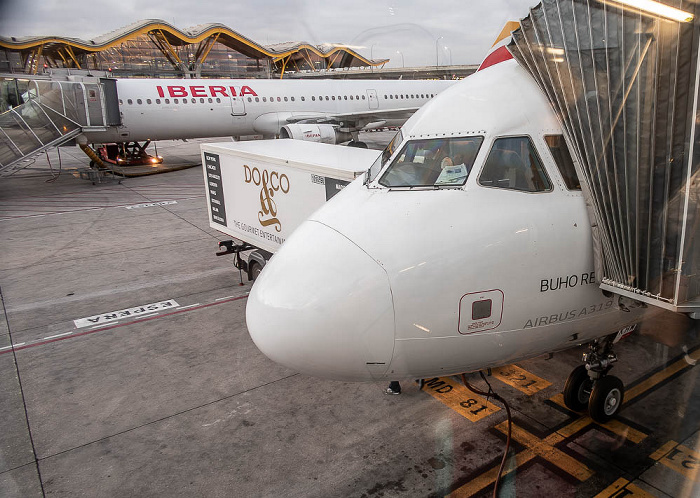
{"x":624,"y":84}
{"x":53,"y":113}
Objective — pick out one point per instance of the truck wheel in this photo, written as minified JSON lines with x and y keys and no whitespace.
{"x":255,"y":270}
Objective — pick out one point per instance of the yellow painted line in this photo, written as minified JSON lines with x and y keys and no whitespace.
{"x":520,"y":379}
{"x":624,"y":430}
{"x":623,"y":488}
{"x":453,"y":394}
{"x":680,"y":458}
{"x":658,"y":454}
{"x":659,"y":377}
{"x":488,"y":478}
{"x":559,"y":400}
{"x":545,"y":449}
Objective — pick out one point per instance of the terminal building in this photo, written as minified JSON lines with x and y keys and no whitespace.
{"x":153,"y":48}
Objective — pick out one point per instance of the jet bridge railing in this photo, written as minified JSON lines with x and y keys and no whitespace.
{"x":54,"y":112}
{"x":624,"y":84}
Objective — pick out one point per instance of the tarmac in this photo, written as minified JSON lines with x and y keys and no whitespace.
{"x":126,"y":369}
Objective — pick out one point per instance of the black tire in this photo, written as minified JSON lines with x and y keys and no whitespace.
{"x":606,"y":398}
{"x":255,"y":270}
{"x":577,"y":389}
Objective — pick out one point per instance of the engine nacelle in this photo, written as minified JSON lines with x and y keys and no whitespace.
{"x":324,"y":133}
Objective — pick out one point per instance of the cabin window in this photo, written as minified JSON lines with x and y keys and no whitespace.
{"x":357,"y":97}
{"x":139,"y":101}
{"x":194,"y":101}
{"x":293,"y":98}
{"x":120,"y":102}
{"x":201,"y":101}
{"x":560,"y":152}
{"x":435,"y":162}
{"x":513,"y":164}
{"x":391,"y":97}
{"x":481,"y":309}
{"x":363,"y":97}
{"x":285,"y":99}
{"x":167,"y":101}
{"x":264,"y":99}
{"x":326,"y":97}
{"x":210,"y":100}
{"x":345,"y":97}
{"x":333,"y":97}
{"x":313,"y":97}
{"x":184,"y":101}
{"x":130,"y":101}
{"x":176,"y":101}
{"x":148,"y":101}
{"x":250,"y":99}
{"x":157,"y":101}
{"x":352,"y":97}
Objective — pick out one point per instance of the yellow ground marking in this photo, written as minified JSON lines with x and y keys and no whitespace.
{"x":520,"y":379}
{"x":459,"y":398}
{"x":658,"y":454}
{"x":680,"y":458}
{"x":614,"y":426}
{"x":623,"y":488}
{"x":487,"y":478}
{"x":535,"y":447}
{"x":658,"y":377}
{"x":545,"y":449}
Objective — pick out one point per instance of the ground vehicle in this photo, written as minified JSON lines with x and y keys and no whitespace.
{"x":259,"y":191}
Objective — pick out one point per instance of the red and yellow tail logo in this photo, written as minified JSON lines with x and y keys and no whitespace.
{"x":499,"y":52}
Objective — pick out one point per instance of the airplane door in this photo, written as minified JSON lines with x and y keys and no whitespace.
{"x":372,"y":99}
{"x":238,"y":105}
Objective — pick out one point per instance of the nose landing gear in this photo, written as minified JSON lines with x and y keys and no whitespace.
{"x":590,"y":386}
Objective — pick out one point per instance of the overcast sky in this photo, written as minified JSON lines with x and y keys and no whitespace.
{"x":378,"y":28}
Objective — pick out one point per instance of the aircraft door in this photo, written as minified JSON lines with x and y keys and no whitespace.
{"x":372,"y":99}
{"x":238,"y":104}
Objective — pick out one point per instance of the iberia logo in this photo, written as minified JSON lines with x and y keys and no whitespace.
{"x":269,"y":183}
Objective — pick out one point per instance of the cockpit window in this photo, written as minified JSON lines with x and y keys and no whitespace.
{"x":384,"y":157}
{"x":560,"y":152}
{"x":434,"y":162}
{"x":514,"y":164}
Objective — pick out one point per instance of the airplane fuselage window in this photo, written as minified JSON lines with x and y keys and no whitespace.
{"x":167,"y":101}
{"x":562,"y":158}
{"x":157,"y":101}
{"x":120,"y":102}
{"x":175,"y":101}
{"x":148,"y":101}
{"x":139,"y":101}
{"x":201,"y":101}
{"x":218,"y":100}
{"x":285,"y":99}
{"x":363,"y":97}
{"x":435,"y":162}
{"x":513,"y":164}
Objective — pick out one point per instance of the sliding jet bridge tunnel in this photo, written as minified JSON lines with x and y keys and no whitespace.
{"x":51,"y":114}
{"x":624,"y":83}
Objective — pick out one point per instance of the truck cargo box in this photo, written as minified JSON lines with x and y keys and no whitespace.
{"x":260,"y":191}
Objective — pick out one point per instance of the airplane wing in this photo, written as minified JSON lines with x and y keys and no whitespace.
{"x":353,"y":120}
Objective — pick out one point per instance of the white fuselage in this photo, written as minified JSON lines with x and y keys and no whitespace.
{"x":163,"y":109}
{"x":382,"y":282}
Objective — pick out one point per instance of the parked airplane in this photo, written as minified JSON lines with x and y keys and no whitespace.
{"x":329,"y":111}
{"x":466,"y":246}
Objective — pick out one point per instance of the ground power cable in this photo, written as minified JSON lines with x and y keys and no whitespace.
{"x":493,"y":394}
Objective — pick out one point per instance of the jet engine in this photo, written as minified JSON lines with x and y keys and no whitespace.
{"x":324,"y":133}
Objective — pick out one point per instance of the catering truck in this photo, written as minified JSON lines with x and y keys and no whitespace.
{"x":259,"y":191}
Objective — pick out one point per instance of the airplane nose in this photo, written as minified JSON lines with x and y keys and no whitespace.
{"x":324,"y":309}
